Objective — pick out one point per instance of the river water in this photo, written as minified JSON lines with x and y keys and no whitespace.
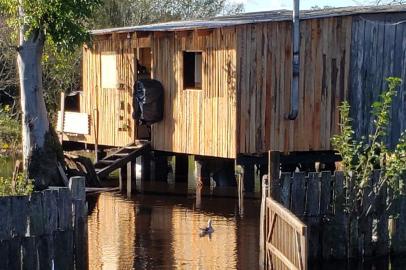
{"x":162,"y":232}
{"x":158,"y":228}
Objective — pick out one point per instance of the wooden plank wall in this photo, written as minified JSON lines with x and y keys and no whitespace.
{"x":200,"y":122}
{"x":378,"y":51}
{"x":264,"y":68}
{"x":116,"y":126}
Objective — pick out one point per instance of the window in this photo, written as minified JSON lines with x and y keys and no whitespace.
{"x":108,"y":71}
{"x":192,"y":70}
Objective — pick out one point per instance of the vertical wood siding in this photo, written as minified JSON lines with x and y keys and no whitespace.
{"x":200,"y":122}
{"x":264,"y":68}
{"x":378,"y":51}
{"x":116,"y":127}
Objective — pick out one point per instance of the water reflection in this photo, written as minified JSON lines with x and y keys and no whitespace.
{"x":162,"y":232}
{"x":111,"y":234}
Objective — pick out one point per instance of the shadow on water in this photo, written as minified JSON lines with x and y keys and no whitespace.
{"x":162,"y":232}
{"x":374,"y":263}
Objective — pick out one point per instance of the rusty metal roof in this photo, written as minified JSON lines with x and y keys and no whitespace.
{"x":253,"y":17}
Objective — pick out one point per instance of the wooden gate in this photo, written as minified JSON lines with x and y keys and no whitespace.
{"x":286,"y":239}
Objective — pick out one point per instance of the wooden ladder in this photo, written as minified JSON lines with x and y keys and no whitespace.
{"x":121,"y":157}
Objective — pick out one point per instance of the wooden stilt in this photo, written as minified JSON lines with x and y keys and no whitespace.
{"x":240,"y":175}
{"x":273,"y":169}
{"x":199,"y":182}
{"x":130,"y":176}
{"x":160,"y":167}
{"x":181,"y":168}
{"x":249,"y":177}
{"x":198,"y":172}
{"x":121,"y":177}
{"x":146,"y":167}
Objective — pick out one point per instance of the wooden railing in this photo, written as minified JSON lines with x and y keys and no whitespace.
{"x":320,"y":200}
{"x":286,"y":239}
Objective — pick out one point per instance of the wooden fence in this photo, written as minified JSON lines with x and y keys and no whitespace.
{"x":286,"y":239}
{"x":46,"y":230}
{"x":319,"y":200}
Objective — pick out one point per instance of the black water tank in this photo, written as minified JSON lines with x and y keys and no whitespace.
{"x":148,"y":101}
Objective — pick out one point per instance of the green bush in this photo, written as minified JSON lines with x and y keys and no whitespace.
{"x":10,"y":129}
{"x":361,"y":157}
{"x":21,"y":186}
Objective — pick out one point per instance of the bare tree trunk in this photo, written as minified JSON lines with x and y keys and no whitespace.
{"x":40,"y":149}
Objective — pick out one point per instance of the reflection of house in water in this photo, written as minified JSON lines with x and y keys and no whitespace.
{"x":111,"y":235}
{"x":149,"y":234}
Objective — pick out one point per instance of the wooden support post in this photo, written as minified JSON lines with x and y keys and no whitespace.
{"x":160,"y":167}
{"x":198,"y":172}
{"x":77,"y":186}
{"x":273,"y":169}
{"x":198,"y":181}
{"x":130,"y":177}
{"x":240,"y":177}
{"x":249,"y":177}
{"x":96,"y":134}
{"x":146,"y":166}
{"x":121,"y":177}
{"x":181,"y":168}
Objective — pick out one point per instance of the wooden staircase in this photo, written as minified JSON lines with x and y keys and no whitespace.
{"x":121,"y":157}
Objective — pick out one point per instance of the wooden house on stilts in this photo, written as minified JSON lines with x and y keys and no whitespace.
{"x":227,"y":81}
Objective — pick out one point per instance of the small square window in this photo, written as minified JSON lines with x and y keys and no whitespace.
{"x":192,"y":70}
{"x":108,"y":70}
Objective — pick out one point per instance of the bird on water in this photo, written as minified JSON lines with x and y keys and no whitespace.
{"x":208,"y":230}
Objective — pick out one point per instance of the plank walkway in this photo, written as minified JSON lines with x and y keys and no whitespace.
{"x":121,"y":157}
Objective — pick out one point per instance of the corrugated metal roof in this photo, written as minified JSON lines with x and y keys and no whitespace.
{"x":253,"y":17}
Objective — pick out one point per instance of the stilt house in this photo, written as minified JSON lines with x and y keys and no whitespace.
{"x":227,"y":80}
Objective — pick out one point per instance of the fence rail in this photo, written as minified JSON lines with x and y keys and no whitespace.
{"x":320,"y":199}
{"x":286,"y":238}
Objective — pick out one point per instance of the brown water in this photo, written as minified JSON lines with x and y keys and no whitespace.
{"x":162,"y":232}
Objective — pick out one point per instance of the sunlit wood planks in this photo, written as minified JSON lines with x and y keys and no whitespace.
{"x":264,"y":80}
{"x":201,"y":122}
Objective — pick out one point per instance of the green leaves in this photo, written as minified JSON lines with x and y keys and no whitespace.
{"x":20,"y":186}
{"x":62,"y":21}
{"x":360,"y":158}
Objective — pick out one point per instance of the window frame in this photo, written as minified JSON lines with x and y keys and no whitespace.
{"x":195,"y":87}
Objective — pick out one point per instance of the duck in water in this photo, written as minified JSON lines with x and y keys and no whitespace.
{"x":208,"y":230}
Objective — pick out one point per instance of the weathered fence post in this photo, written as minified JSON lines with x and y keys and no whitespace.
{"x":398,"y":234}
{"x":285,"y":190}
{"x":313,"y":214}
{"x":335,"y":234}
{"x":77,"y":186}
{"x":262,"y":233}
